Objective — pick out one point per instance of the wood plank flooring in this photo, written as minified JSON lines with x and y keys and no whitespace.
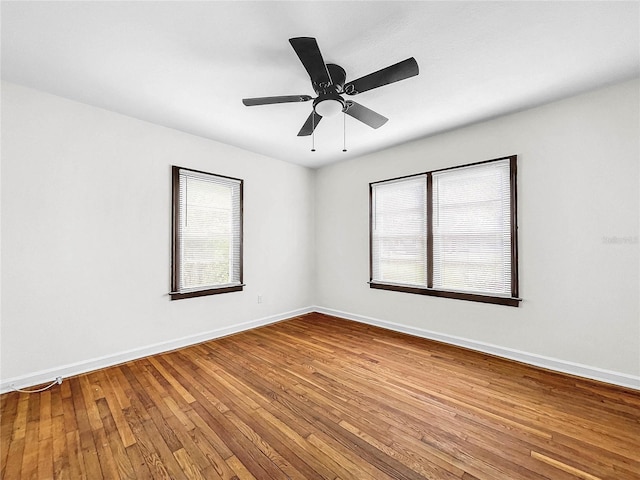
{"x":321,"y":397}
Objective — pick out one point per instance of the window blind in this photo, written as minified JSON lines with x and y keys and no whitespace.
{"x":399,"y":231}
{"x":472,"y":229}
{"x":209,"y":231}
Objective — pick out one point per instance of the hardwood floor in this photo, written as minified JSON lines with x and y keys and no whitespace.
{"x":321,"y":397}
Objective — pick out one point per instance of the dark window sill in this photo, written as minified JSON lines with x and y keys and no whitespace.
{"x":208,"y":291}
{"x":474,"y":297}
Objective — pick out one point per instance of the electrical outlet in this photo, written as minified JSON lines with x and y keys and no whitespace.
{"x":59,"y":380}
{"x":259,"y":298}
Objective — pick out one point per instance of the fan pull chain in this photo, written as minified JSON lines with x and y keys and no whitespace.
{"x":344,"y":132}
{"x":313,"y":131}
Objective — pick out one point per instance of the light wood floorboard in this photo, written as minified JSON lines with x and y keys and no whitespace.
{"x":318,"y":397}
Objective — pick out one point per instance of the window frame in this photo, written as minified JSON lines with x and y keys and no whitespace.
{"x":512,"y":300}
{"x":175,"y":293}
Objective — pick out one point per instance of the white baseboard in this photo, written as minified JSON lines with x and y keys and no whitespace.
{"x":580,"y":370}
{"x":64,"y":371}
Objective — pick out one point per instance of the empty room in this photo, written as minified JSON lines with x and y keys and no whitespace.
{"x":320,"y":240}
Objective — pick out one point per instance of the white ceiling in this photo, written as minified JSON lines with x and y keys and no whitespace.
{"x":187,"y":65}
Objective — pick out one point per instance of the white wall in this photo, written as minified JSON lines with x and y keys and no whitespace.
{"x":86,"y":219}
{"x":578,"y":190}
{"x":86,"y":238}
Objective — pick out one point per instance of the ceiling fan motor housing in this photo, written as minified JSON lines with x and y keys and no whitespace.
{"x":329,"y":101}
{"x":338,"y":75}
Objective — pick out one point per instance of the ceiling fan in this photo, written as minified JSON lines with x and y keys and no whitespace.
{"x":328,"y":81}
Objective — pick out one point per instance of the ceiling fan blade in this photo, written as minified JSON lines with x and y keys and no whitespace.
{"x":394,"y":73}
{"x":364,"y":114}
{"x":270,"y":100}
{"x":310,"y":125}
{"x":309,"y":54}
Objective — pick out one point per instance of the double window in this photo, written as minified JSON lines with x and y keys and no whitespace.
{"x":207,"y":234}
{"x":449,"y":233}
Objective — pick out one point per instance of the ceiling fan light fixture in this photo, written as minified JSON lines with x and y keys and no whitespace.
{"x":329,"y":108}
{"x":328,"y":104}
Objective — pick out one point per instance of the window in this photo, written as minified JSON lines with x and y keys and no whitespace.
{"x":207,"y":234}
{"x":399,"y":231}
{"x":449,"y":233}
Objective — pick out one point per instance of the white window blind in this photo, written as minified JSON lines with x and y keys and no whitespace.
{"x":209,"y":231}
{"x":399,"y":231}
{"x":472,"y":229}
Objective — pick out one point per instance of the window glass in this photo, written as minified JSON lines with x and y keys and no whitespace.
{"x":399,"y":231}
{"x":472,"y":229}
{"x":207,"y":253}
